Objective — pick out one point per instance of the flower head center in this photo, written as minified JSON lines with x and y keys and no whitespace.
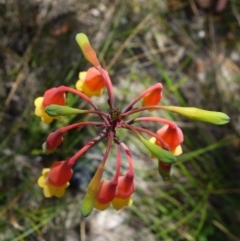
{"x":115,"y":114}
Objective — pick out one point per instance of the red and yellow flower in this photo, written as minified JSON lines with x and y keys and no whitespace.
{"x":55,"y":180}
{"x":118,"y":194}
{"x":153,"y":97}
{"x":51,"y":96}
{"x":91,"y":83}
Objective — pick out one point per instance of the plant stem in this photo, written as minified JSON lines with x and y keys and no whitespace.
{"x":135,"y":129}
{"x":156,"y":119}
{"x":90,"y":144}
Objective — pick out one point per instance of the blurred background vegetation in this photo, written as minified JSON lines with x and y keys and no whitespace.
{"x":192,"y":47}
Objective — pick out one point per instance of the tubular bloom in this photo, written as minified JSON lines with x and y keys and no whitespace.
{"x":51,"y":96}
{"x":91,"y":83}
{"x":55,"y":180}
{"x":164,"y":145}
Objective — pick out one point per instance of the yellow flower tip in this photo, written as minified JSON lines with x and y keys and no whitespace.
{"x":80,"y":82}
{"x":38,"y":102}
{"x":79,"y":85}
{"x":152,"y":140}
{"x":45,"y":171}
{"x":82,"y":75}
{"x":177,"y":151}
{"x":92,"y":93}
{"x":48,"y":189}
{"x":101,"y":207}
{"x":40,"y":111}
{"x":119,"y":203}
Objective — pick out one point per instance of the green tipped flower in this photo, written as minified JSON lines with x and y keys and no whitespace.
{"x":163,"y":155}
{"x":87,"y":205}
{"x":92,"y":191}
{"x":214,"y":117}
{"x":87,"y":49}
{"x":58,"y":110}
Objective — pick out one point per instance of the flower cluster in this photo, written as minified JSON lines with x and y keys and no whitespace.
{"x":164,"y":145}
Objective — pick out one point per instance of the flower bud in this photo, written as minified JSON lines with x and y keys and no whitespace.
{"x":126,"y":186}
{"x":87,"y":205}
{"x":87,"y":49}
{"x":91,"y":194}
{"x":158,"y":152}
{"x":54,"y":96}
{"x":214,"y":117}
{"x":53,"y":141}
{"x":59,"y":110}
{"x":153,"y":97}
{"x":172,"y":135}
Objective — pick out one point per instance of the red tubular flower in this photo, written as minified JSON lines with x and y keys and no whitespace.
{"x":53,"y":141}
{"x":60,"y":173}
{"x":55,"y":180}
{"x":94,"y":80}
{"x":126,"y":185}
{"x":54,"y":96}
{"x":108,"y":189}
{"x":125,"y":189}
{"x":172,"y":135}
{"x":91,"y":83}
{"x":153,"y":97}
{"x":107,"y":192}
{"x":51,"y":96}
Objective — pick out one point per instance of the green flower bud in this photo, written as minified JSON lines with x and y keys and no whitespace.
{"x":214,"y":117}
{"x":58,"y":110}
{"x":161,"y":154}
{"x":87,"y":205}
{"x":87,"y":49}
